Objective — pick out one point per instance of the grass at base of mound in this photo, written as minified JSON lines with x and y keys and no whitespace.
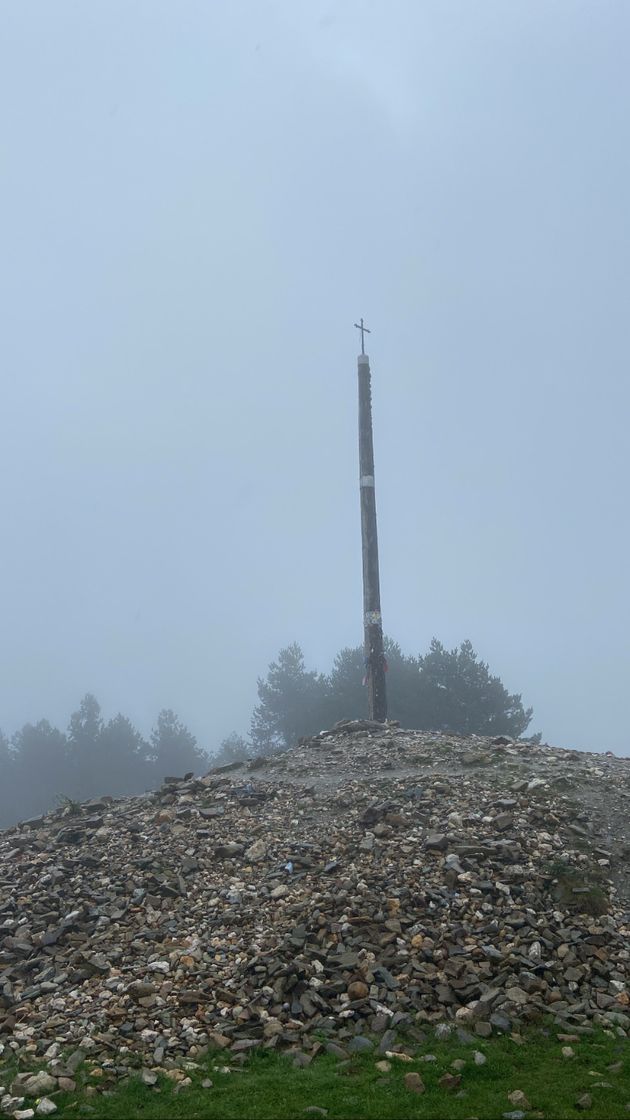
{"x":267,"y":1086}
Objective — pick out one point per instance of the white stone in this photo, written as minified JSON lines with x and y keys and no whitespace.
{"x":45,"y":1107}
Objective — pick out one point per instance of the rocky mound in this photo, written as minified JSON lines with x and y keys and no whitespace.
{"x":371,"y":880}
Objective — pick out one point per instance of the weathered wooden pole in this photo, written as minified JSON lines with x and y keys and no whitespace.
{"x":372,"y":622}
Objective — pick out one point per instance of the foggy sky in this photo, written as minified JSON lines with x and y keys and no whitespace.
{"x":198,"y":199}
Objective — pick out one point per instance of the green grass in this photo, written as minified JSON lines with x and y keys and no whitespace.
{"x":587,"y":878}
{"x":268,"y":1087}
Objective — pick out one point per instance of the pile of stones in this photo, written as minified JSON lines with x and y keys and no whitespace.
{"x":368,"y":885}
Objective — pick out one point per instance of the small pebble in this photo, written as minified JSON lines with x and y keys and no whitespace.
{"x":450,"y":1081}
{"x":518,"y":1098}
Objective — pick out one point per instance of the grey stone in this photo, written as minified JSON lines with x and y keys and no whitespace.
{"x":45,"y":1107}
{"x":229,"y":850}
{"x":33,"y":1084}
{"x":336,"y":1050}
{"x":360,"y":1045}
{"x":387,"y":1041}
{"x":503,"y":821}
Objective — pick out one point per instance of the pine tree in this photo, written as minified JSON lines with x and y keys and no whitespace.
{"x":174,"y":749}
{"x":41,"y":767}
{"x":234,"y":748}
{"x":449,"y":690}
{"x":292,"y":701}
{"x":458,"y":693}
{"x":7,"y":782}
{"x":346,"y":693}
{"x":123,"y":758}
{"x":88,"y":772}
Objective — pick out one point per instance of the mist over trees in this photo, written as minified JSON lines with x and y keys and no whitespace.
{"x":444,"y":690}
{"x":42,"y":766}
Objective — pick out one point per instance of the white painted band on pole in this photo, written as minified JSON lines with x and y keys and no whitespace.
{"x":366,"y":480}
{"x":372,"y":618}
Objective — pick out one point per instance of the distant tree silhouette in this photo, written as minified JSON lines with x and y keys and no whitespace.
{"x":40,"y":766}
{"x":174,"y":749}
{"x":346,"y":694}
{"x":88,"y":768}
{"x":293,"y":701}
{"x":7,"y":780}
{"x":458,"y":693}
{"x":123,"y":759}
{"x":444,"y":690}
{"x":234,"y":748}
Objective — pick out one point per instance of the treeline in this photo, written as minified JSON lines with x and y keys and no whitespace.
{"x":41,"y":766}
{"x":444,"y":690}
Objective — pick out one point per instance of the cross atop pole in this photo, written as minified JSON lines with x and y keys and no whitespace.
{"x":364,"y":330}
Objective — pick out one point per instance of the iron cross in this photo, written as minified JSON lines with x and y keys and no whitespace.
{"x":364,"y":330}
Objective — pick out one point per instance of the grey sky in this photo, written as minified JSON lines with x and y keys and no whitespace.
{"x":198,"y":199}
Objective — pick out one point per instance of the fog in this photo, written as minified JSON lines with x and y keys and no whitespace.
{"x":198,"y":201}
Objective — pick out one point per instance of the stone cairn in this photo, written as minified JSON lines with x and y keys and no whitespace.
{"x":371,"y":883}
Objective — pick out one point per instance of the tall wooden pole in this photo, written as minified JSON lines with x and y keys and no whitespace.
{"x":372,"y":622}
